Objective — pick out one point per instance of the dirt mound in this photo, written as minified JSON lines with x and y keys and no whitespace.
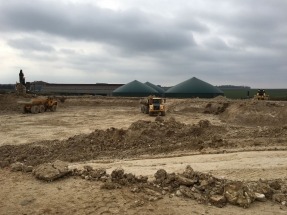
{"x":210,"y":106}
{"x":220,"y":98}
{"x":158,"y":137}
{"x":253,"y":112}
{"x":8,"y":102}
{"x":242,"y":112}
{"x":142,"y":137}
{"x":101,"y":101}
{"x":216,"y":108}
{"x":186,"y":105}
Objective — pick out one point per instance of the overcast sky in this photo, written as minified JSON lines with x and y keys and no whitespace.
{"x":238,"y":42}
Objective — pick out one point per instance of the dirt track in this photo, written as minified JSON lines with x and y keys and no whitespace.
{"x":195,"y":132}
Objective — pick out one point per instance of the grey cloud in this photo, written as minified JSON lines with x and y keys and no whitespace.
{"x":131,"y":30}
{"x":30,"y":44}
{"x":216,"y":43}
{"x":255,"y":23}
{"x":243,"y":42}
{"x":67,"y":51}
{"x":188,"y":21}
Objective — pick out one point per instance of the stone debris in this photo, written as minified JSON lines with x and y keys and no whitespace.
{"x":238,"y":193}
{"x":280,"y":198}
{"x":27,"y":168}
{"x":51,"y":171}
{"x":218,"y":200}
{"x":17,"y":166}
{"x":201,"y":187}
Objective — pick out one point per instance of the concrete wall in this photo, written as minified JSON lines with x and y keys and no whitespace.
{"x":93,"y":89}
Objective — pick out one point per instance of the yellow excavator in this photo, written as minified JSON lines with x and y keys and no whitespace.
{"x":261,"y":95}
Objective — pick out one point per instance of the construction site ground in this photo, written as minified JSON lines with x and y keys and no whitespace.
{"x":239,"y":140}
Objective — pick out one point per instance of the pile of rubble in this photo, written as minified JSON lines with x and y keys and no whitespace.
{"x":202,"y":187}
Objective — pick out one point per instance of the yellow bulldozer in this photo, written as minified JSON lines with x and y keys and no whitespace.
{"x":153,"y":106}
{"x":39,"y":105}
{"x":261,"y":95}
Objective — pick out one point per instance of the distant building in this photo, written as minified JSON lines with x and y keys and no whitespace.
{"x":7,"y":88}
{"x":233,"y":87}
{"x":73,"y":89}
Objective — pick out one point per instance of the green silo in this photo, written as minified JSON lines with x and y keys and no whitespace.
{"x":134,"y":89}
{"x":192,"y":88}
{"x":157,"y":88}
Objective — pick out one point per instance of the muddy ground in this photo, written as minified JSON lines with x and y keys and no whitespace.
{"x":230,"y":141}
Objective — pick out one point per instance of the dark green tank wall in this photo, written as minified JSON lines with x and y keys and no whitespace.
{"x":192,"y":88}
{"x":134,"y":89}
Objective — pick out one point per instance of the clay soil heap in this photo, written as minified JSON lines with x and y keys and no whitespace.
{"x":96,"y":133}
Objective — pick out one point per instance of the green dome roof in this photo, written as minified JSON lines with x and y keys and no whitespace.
{"x":157,"y":88}
{"x":134,"y":88}
{"x":194,"y":88}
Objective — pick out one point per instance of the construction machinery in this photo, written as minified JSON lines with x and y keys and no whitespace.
{"x":20,"y":88}
{"x":39,"y":105}
{"x":153,"y":106}
{"x":261,"y":95}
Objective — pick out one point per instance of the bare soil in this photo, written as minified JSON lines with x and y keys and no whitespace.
{"x":239,"y":140}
